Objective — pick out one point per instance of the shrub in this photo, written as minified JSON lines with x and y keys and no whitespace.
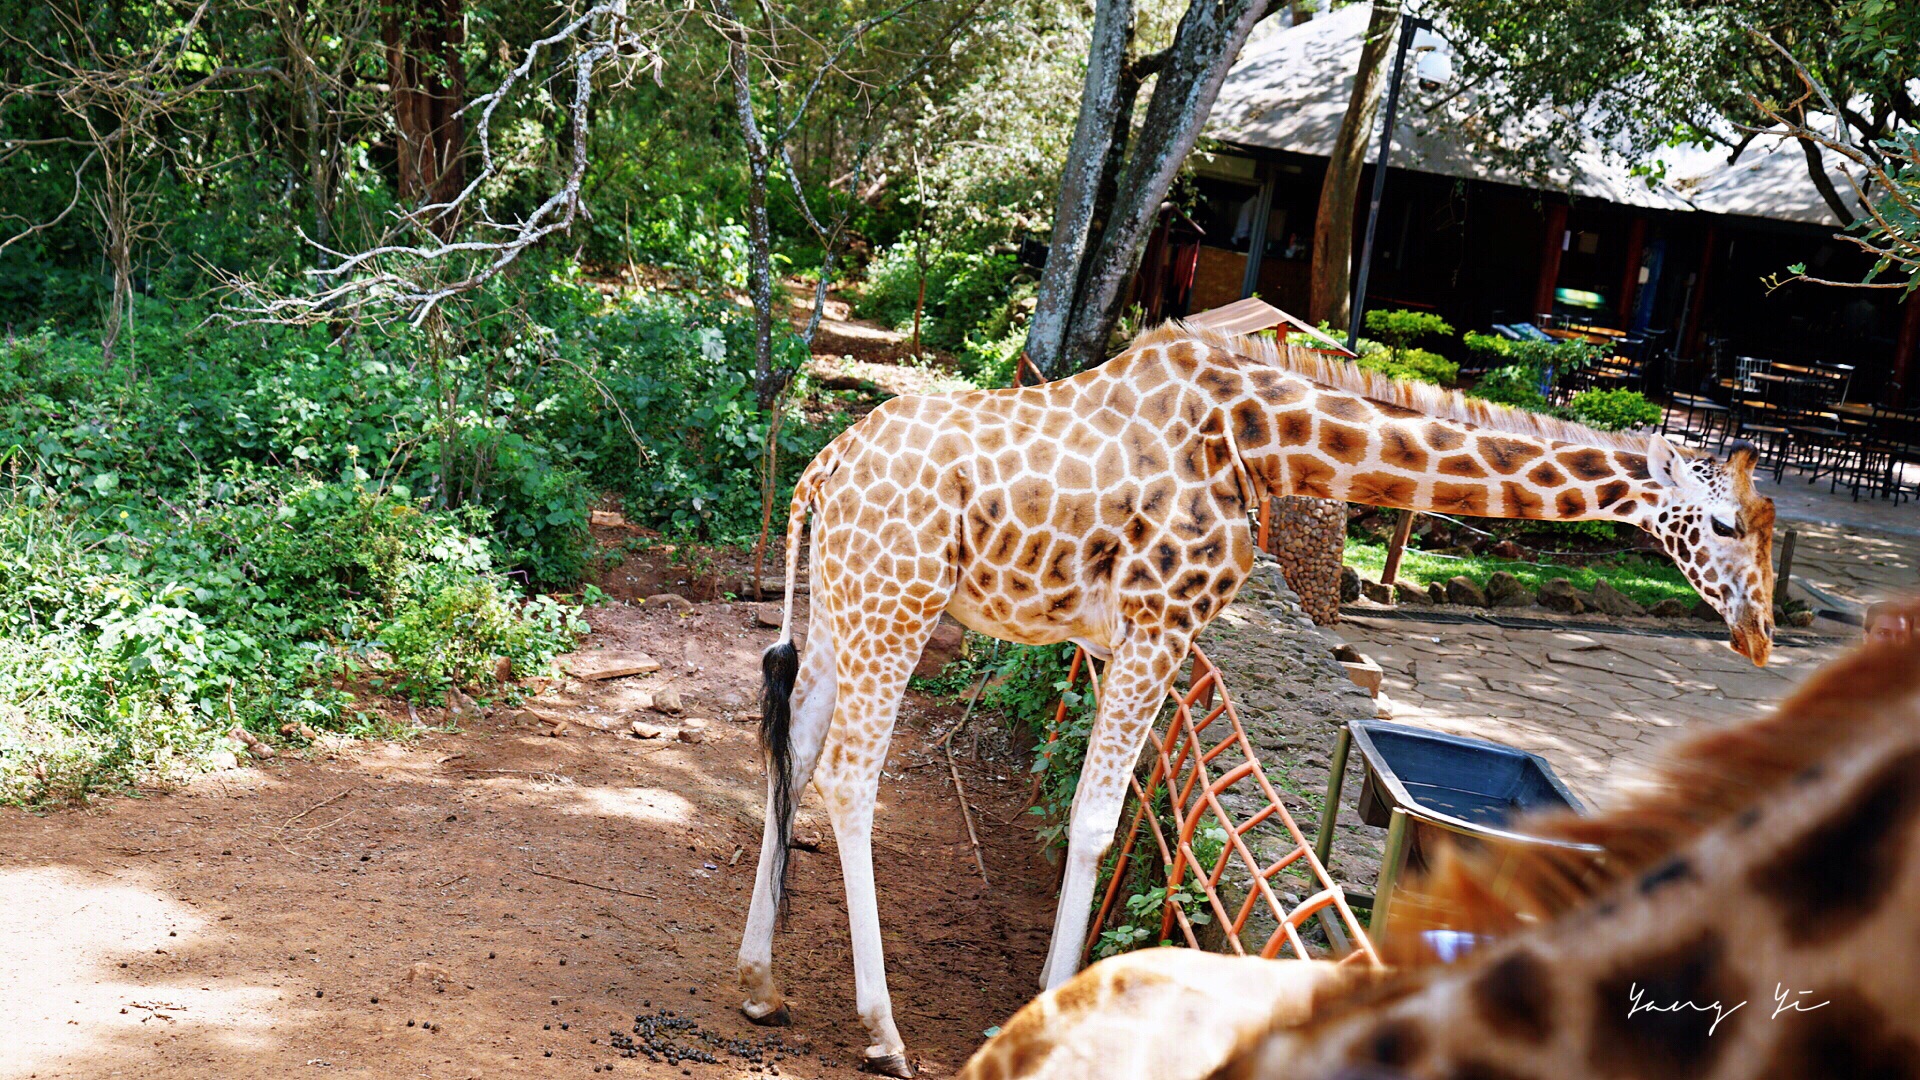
{"x":968,"y":294}
{"x":1523,"y":371}
{"x":133,"y":634}
{"x":1613,"y":410}
{"x":1397,"y":357}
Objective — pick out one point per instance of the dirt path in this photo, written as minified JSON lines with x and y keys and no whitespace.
{"x":381,"y":910}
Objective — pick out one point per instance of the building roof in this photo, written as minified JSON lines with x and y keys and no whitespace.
{"x":1289,"y":92}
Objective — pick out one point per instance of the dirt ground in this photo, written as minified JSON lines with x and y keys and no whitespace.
{"x":503,"y":902}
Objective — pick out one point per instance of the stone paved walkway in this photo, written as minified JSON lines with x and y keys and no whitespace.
{"x":1595,"y":705}
{"x":1851,"y":552}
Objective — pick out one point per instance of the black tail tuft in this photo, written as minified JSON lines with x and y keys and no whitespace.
{"x":779,"y":665}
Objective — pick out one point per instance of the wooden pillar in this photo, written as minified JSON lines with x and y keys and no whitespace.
{"x":1630,"y":277}
{"x":1257,"y":243}
{"x":1690,"y":335}
{"x":1906,"y":346}
{"x":1402,"y":532}
{"x":1550,"y":258}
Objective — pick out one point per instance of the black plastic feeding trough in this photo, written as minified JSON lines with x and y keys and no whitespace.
{"x":1417,"y":782}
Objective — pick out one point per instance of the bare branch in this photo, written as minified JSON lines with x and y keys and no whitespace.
{"x":414,"y":277}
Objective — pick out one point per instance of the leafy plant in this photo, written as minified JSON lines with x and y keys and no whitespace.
{"x":1523,"y":371}
{"x":1397,"y":356}
{"x":1613,"y":410}
{"x":968,"y":294}
{"x":133,"y":633}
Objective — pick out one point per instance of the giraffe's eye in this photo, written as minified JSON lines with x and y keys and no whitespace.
{"x":1721,"y":528}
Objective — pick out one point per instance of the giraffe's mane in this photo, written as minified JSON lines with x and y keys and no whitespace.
{"x":1438,"y":402}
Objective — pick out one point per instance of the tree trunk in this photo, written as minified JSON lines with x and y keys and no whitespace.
{"x":423,"y":39}
{"x":1328,"y":300}
{"x":767,"y":382}
{"x":1081,"y":178}
{"x":1188,"y":80}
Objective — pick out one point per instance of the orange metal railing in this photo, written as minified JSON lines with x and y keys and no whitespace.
{"x":1203,"y":754}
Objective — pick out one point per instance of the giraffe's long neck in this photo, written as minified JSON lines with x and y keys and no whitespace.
{"x":1334,"y":445}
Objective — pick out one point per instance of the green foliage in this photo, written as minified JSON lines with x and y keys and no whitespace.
{"x":1400,"y":328}
{"x":1647,"y":579}
{"x":1396,"y":356}
{"x":1029,"y":686}
{"x":968,"y":294}
{"x":992,"y":363}
{"x":1613,"y":410}
{"x":1522,"y":370}
{"x":133,"y":631}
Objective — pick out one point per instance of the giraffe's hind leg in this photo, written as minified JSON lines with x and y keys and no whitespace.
{"x":813,"y":703}
{"x":871,"y":683}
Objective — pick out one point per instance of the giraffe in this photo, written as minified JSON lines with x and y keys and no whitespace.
{"x":1111,"y":509}
{"x":1755,"y":916}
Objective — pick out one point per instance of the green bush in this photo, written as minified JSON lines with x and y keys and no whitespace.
{"x":968,"y":294}
{"x":132,"y":634}
{"x":1397,"y":357}
{"x":1613,"y":410}
{"x":1521,"y":370}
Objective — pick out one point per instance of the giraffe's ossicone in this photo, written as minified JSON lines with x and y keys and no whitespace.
{"x":1112,"y":509}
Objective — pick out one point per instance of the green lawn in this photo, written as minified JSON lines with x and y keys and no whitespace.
{"x":1647,"y":580}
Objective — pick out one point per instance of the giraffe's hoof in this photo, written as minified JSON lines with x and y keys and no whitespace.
{"x":889,"y":1065}
{"x":781,"y":1016}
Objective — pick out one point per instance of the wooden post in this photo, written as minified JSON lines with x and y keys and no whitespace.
{"x":1689,"y":336}
{"x":1257,"y":239}
{"x":1784,"y":579}
{"x":1550,"y":258}
{"x":1401,"y":532}
{"x":1630,"y":277}
{"x":1904,"y":350}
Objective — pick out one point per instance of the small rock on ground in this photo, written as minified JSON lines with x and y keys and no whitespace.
{"x":1506,"y":590}
{"x":1411,"y":594}
{"x":1670,"y":608}
{"x":1558,"y":594}
{"x":1462,"y":590}
{"x":1612,"y":601}
{"x":667,"y":701}
{"x":1376,"y":592}
{"x":673,"y":602}
{"x":1349,"y":584}
{"x":593,"y":667}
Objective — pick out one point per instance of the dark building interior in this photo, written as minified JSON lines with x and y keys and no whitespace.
{"x":1480,"y":253}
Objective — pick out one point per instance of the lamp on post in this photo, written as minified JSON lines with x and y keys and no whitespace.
{"x":1408,"y":27}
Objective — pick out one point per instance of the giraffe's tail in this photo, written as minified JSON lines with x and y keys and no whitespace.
{"x":779,"y":667}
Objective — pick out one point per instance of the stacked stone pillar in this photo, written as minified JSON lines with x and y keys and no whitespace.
{"x":1308,"y":539}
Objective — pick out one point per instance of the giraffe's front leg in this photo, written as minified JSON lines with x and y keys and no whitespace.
{"x":1131,"y":690}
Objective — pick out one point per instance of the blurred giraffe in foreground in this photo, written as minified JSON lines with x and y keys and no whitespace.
{"x":1756,"y":917}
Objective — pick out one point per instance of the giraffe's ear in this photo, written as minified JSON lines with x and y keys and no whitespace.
{"x":1668,"y":467}
{"x":1741,"y":458}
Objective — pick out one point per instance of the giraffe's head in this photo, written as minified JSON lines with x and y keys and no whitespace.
{"x":1719,"y":531}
